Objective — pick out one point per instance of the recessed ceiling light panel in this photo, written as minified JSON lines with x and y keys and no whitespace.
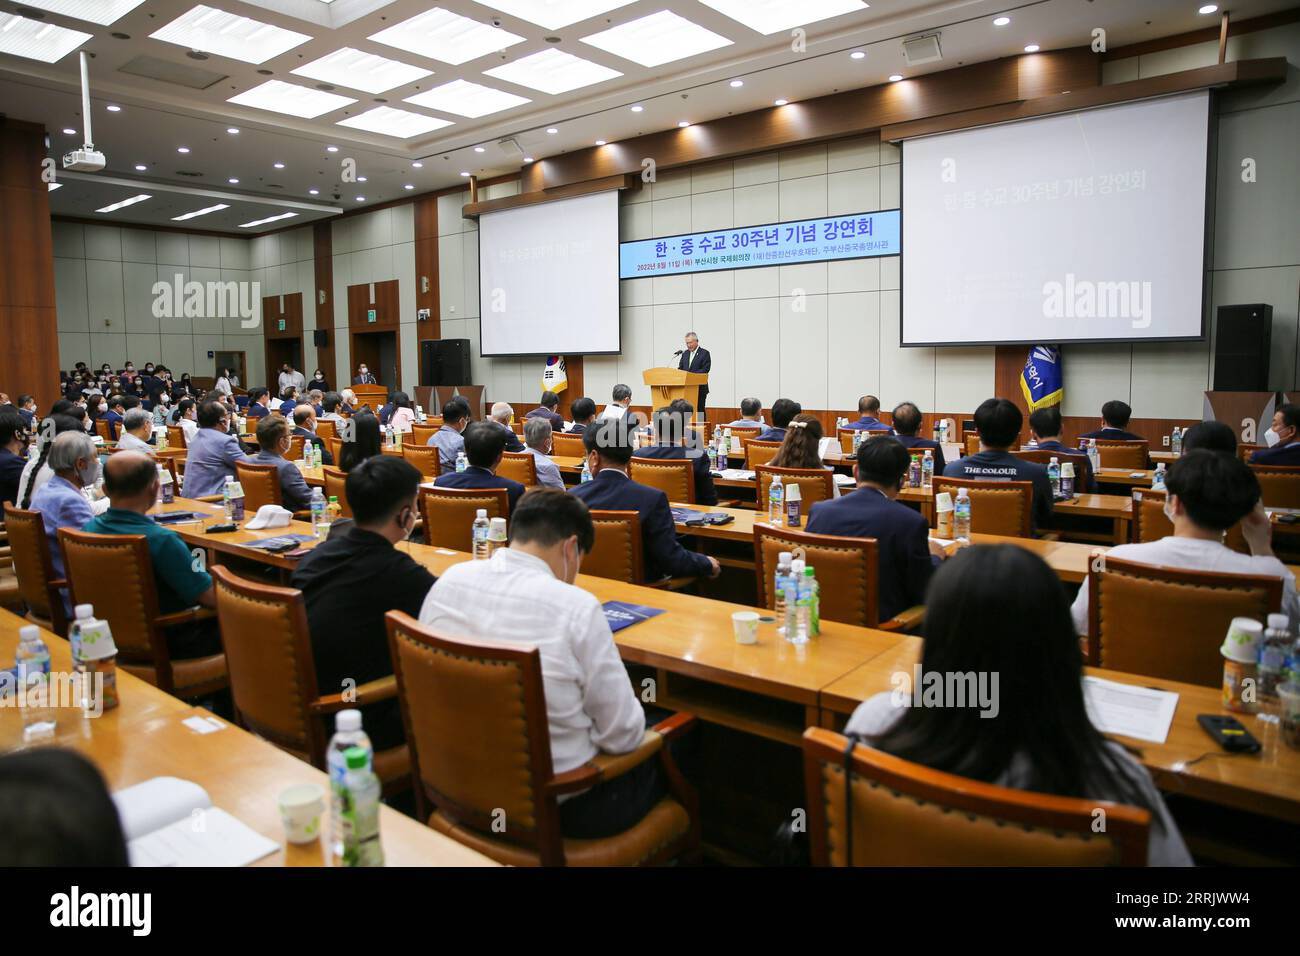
{"x":210,"y":30}
{"x":102,"y":12}
{"x":263,"y":222}
{"x":201,"y":212}
{"x":392,"y":122}
{"x":125,"y":202}
{"x":553,"y":71}
{"x":34,"y":40}
{"x":554,"y":14}
{"x":659,"y":38}
{"x":446,"y":36}
{"x":467,"y":99}
{"x":773,"y":16}
{"x":277,"y":96}
{"x":360,"y":70}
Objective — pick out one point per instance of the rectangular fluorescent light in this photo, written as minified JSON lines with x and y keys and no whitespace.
{"x":773,"y":16}
{"x":228,"y":34}
{"x":659,"y":38}
{"x":467,"y":99}
{"x":125,"y":202}
{"x":102,"y":12}
{"x":446,"y":36}
{"x":263,"y":222}
{"x":553,"y":71}
{"x":360,"y":70}
{"x":554,"y":14}
{"x":201,"y":212}
{"x":34,"y":40}
{"x":391,"y":122}
{"x":290,"y":99}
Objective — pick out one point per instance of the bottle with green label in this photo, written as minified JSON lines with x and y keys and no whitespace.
{"x":361,"y":791}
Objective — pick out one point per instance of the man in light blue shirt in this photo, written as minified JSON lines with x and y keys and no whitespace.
{"x":448,"y":439}
{"x":275,"y":440}
{"x":75,"y":464}
{"x":211,"y":454}
{"x":749,"y":415}
{"x":537,"y":442}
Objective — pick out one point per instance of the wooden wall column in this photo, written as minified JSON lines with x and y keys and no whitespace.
{"x":323,"y":253}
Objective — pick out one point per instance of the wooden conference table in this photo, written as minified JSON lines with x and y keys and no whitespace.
{"x":774,"y":689}
{"x":144,"y":737}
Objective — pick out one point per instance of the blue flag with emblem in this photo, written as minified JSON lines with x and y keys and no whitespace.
{"x":1041,"y":378}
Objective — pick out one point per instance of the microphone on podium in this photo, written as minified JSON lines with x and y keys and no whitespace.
{"x":679,"y":351}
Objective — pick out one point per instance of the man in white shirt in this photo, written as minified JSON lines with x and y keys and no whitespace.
{"x":137,"y":426}
{"x":1207,"y":494}
{"x":289,"y":376}
{"x":525,"y":594}
{"x":619,"y":407}
{"x":537,"y":442}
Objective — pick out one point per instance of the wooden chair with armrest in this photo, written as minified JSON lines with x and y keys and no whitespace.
{"x":273,"y":676}
{"x":567,"y":446}
{"x":336,"y":486}
{"x":261,"y":484}
{"x":759,"y":452}
{"x":326,"y":429}
{"x":424,"y":458}
{"x":422,"y":432}
{"x":114,"y":573}
{"x":476,"y":722}
{"x":1150,"y":523}
{"x":996,"y":507}
{"x":1279,"y":485}
{"x":518,"y":466}
{"x":1133,"y":455}
{"x":848,"y":572}
{"x":619,"y":554}
{"x":176,"y":436}
{"x":815,"y":484}
{"x":34,"y":568}
{"x":675,"y":477}
{"x":869,"y":808}
{"x":448,"y":513}
{"x":1169,"y":622}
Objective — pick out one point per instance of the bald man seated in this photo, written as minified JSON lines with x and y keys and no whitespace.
{"x":131,"y":483}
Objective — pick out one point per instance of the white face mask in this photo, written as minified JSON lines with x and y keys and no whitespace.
{"x":90,"y":474}
{"x":1169,"y":511}
{"x":1271,"y":437}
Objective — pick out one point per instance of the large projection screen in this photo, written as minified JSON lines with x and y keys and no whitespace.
{"x":548,"y":278}
{"x":1082,"y":227}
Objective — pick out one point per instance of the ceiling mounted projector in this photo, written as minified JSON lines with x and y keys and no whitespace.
{"x":87,"y":159}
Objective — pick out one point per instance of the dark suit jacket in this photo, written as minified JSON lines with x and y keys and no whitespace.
{"x":703,"y":363}
{"x":325,"y":457}
{"x":114,"y":425}
{"x":1113,"y":434}
{"x":612,"y":490}
{"x":771,"y":433}
{"x":555,"y":418}
{"x":512,"y":440}
{"x":868,"y":424}
{"x":474,"y":477}
{"x":911,"y":442}
{"x":1277,"y":455}
{"x":705,"y":493}
{"x":256,"y":410}
{"x":367,"y":379}
{"x":1082,"y":466}
{"x":901,"y":542}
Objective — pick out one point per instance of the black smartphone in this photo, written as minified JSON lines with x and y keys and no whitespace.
{"x":1228,"y":733}
{"x":1288,"y":518}
{"x":220,"y":528}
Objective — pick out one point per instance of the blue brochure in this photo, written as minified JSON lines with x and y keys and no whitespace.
{"x":620,"y":614}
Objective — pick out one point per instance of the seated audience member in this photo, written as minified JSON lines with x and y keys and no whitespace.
{"x":525,"y":594}
{"x":783,"y":412}
{"x":56,"y":811}
{"x":274,"y":440}
{"x":448,"y":439}
{"x":37,"y":471}
{"x":402,"y":414}
{"x":1045,"y":429}
{"x":620,"y":407}
{"x":547,"y":410}
{"x":1206,"y":494}
{"x":502,"y":415}
{"x":1283,"y":439}
{"x":349,"y":400}
{"x":1212,"y":436}
{"x":1116,"y":415}
{"x":116,"y":409}
{"x":304,"y":426}
{"x":751,"y":414}
{"x":27,"y":411}
{"x":74,"y":462}
{"x":258,"y":405}
{"x":609,"y":449}
{"x":801,"y":447}
{"x":365,"y":443}
{"x":211,"y":454}
{"x":869,"y":416}
{"x":1036,"y":736}
{"x":137,"y":429}
{"x":671,"y":430}
{"x":537,"y":442}
{"x":332,"y":402}
{"x":584,"y":413}
{"x":350,"y":580}
{"x":906,"y":556}
{"x":131,"y":482}
{"x":187,"y":418}
{"x":385,"y":409}
{"x":484,"y":445}
{"x":907,"y":422}
{"x":13,"y":454}
{"x":162,"y":409}
{"x":288,"y":401}
{"x":316,"y":399}
{"x":96,"y":408}
{"x":998,"y":422}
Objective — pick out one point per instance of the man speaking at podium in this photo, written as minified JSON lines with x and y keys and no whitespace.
{"x":695,"y":359}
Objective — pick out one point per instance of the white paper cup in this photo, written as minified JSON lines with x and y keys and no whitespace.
{"x":301,"y":808}
{"x":1242,"y":641}
{"x":745,"y":626}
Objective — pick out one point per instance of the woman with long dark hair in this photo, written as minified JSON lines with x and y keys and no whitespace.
{"x":801,"y":447}
{"x":95,"y":410}
{"x":402,"y":412}
{"x":67,"y":418}
{"x":1000,"y":612}
{"x":365,"y":441}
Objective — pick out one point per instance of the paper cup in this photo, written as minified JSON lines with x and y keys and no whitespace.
{"x":301,"y":809}
{"x":1242,"y":642}
{"x":745,"y":626}
{"x":1288,"y":696}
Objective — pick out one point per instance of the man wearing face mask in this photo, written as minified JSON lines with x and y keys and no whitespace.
{"x":1207,"y":493}
{"x":1283,"y":439}
{"x":75,"y":463}
{"x":526,"y":594}
{"x":351,"y":580}
{"x":363,"y":377}
{"x":274,"y":440}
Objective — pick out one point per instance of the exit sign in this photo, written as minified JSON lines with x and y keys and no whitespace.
{"x":371,"y":316}
{"x":282,"y":325}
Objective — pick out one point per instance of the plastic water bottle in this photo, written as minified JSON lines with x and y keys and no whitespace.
{"x":734,"y":445}
{"x":33,"y":660}
{"x":1176,"y":441}
{"x":586,"y":471}
{"x":776,"y":501}
{"x":814,"y":601}
{"x":479,"y":534}
{"x":914,"y":472}
{"x":319,"y":518}
{"x":361,"y":791}
{"x":791,"y":630}
{"x":1094,"y":456}
{"x":802,"y":609}
{"x":1054,"y":475}
{"x":93,"y":653}
{"x":347,"y":734}
{"x":461,"y":462}
{"x":779,"y":585}
{"x":1158,"y":479}
{"x":1273,"y":651}
{"x":927,"y":470}
{"x":712,"y":452}
{"x":333,"y":511}
{"x":388,"y":435}
{"x":961,"y":516}
{"x":228,"y":498}
{"x":497,"y":538}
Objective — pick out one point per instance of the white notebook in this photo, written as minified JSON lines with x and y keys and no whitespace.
{"x":172,"y":822}
{"x":1144,"y":713}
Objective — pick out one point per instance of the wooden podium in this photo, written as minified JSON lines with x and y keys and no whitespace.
{"x":373,"y":395}
{"x":670,"y":384}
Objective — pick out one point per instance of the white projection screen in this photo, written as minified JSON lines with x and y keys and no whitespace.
{"x":1082,"y":227}
{"x":548,"y":278}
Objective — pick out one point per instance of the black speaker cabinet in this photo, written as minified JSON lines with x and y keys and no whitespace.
{"x":444,"y":362}
{"x":1241,"y":348}
{"x":320,"y":338}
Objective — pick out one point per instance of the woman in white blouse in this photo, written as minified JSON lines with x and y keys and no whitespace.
{"x":403,"y":413}
{"x":222,"y":384}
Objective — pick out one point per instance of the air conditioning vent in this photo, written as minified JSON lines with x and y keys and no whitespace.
{"x":921,"y":50}
{"x":173,"y":74}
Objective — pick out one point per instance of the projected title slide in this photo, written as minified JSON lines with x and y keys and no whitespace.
{"x":859,"y":236}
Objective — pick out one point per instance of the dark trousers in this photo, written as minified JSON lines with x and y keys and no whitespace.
{"x":200,"y":638}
